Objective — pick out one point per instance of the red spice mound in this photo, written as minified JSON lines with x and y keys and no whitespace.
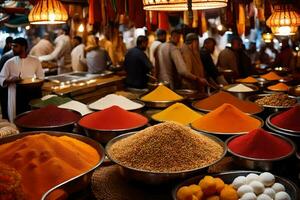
{"x":48,"y":116}
{"x":113,"y":118}
{"x":289,"y":119}
{"x":260,"y":144}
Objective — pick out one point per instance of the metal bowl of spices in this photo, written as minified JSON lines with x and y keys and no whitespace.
{"x":191,"y":95}
{"x":153,"y":177}
{"x":160,"y":104}
{"x":64,"y":122}
{"x":76,"y":183}
{"x":259,"y":163}
{"x":242,"y":91}
{"x":295,"y":91}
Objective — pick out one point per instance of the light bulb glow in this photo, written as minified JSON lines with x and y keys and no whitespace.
{"x":81,"y":28}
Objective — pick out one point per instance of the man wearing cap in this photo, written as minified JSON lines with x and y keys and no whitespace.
{"x":160,"y":38}
{"x":62,"y":51}
{"x":19,"y":67}
{"x":190,"y":54}
{"x":172,"y":68}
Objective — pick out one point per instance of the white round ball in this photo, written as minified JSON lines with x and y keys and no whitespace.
{"x":263,"y":197}
{"x":278,"y":187}
{"x":238,"y":182}
{"x":257,"y":186}
{"x":267,"y":179}
{"x":282,"y":196}
{"x":251,"y":177}
{"x":244,"y":189}
{"x":270,"y":192}
{"x":248,"y":196}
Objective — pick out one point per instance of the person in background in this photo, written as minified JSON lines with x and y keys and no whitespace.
{"x":3,"y":90}
{"x":77,"y":55}
{"x":253,"y":54}
{"x":211,"y":72}
{"x":263,"y":57}
{"x":285,"y":57}
{"x":21,"y":66}
{"x":172,"y":67}
{"x":97,"y":59}
{"x":161,"y":36}
{"x":244,"y":62}
{"x":107,"y":45}
{"x":43,"y":47}
{"x":137,"y":65}
{"x":119,"y":49}
{"x":7,"y":46}
{"x":62,"y":51}
{"x":190,"y":53}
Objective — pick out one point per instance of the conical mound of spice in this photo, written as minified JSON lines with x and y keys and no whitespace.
{"x":113,"y":118}
{"x":45,"y":161}
{"x":249,"y":79}
{"x":216,"y":100}
{"x":240,"y":88}
{"x":162,"y":93}
{"x":271,"y":76}
{"x":289,"y":119}
{"x":48,"y":116}
{"x":260,"y":144}
{"x":166,"y":147}
{"x":279,"y":87}
{"x":226,"y":119}
{"x":177,"y":112}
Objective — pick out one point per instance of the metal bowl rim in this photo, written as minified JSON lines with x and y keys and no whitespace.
{"x":120,"y":137}
{"x":268,"y":121}
{"x":173,"y":101}
{"x":45,"y":127}
{"x":135,"y":100}
{"x":267,"y":106}
{"x":263,"y":159}
{"x":252,"y":86}
{"x":220,"y":133}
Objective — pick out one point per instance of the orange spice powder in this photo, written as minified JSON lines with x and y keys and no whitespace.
{"x":226,"y":119}
{"x":271,"y":76}
{"x":45,"y":161}
{"x":279,"y":87}
{"x":249,"y":79}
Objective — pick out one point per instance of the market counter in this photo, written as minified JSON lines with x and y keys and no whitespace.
{"x":86,"y":91}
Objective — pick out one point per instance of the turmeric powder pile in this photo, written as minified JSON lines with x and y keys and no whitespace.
{"x":45,"y":161}
{"x":226,"y":119}
{"x":162,"y":93}
{"x":271,"y":76}
{"x":249,"y":79}
{"x":279,"y":87}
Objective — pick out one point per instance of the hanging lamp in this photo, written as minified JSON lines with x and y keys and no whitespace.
{"x":284,"y":20}
{"x":182,"y":5}
{"x":48,"y":12}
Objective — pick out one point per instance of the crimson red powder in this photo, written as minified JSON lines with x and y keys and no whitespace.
{"x":260,"y":144}
{"x":113,"y":118}
{"x":289,"y":119}
{"x":48,"y":116}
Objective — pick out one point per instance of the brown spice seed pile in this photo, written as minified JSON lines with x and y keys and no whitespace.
{"x":276,"y":100}
{"x":166,"y":147}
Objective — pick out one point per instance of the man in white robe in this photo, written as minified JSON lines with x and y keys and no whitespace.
{"x":17,"y":68}
{"x":77,"y":55}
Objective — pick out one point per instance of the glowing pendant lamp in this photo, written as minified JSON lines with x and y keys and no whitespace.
{"x":48,"y":12}
{"x":284,"y":20}
{"x":182,"y":5}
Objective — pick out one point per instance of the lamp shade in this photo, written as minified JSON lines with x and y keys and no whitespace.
{"x":48,"y":12}
{"x":182,"y":5}
{"x":284,"y":20}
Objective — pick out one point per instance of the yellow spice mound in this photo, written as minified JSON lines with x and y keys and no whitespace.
{"x":177,"y":112}
{"x":162,"y":93}
{"x":271,"y":76}
{"x":249,"y":79}
{"x":45,"y":161}
{"x":279,"y":87}
{"x":226,"y":119}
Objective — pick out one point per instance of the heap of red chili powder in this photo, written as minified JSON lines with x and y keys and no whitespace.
{"x":48,"y":116}
{"x":289,"y":119}
{"x":260,"y":144}
{"x":113,"y":118}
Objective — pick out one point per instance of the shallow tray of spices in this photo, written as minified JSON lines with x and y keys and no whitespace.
{"x":74,"y":184}
{"x":161,"y":174}
{"x":228,"y":177}
{"x":241,"y":94}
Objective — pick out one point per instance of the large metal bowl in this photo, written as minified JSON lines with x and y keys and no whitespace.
{"x":67,"y":127}
{"x":263,"y":164}
{"x":155,"y":178}
{"x":242,"y":95}
{"x":160,"y":104}
{"x":228,"y":177}
{"x":295,"y":91}
{"x":76,"y":183}
{"x":224,"y":136}
{"x":191,"y":95}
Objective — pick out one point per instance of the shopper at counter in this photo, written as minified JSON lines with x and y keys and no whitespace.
{"x":19,"y":67}
{"x":43,"y":47}
{"x":285,"y":57}
{"x":137,"y":65}
{"x":160,"y":38}
{"x":7,"y":46}
{"x":77,"y":55}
